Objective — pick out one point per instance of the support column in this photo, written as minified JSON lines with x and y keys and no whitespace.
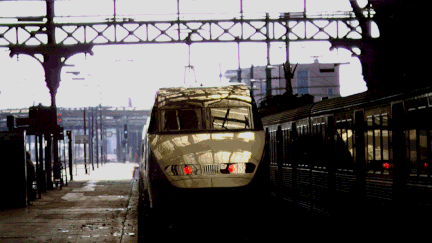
{"x":268,"y":81}
{"x":239,"y":71}
{"x":288,"y":72}
{"x":54,"y":56}
{"x":92,"y":138}
{"x":268,"y":70}
{"x":97,"y":138}
{"x":101,"y":136}
{"x":48,"y":161}
{"x":56,"y":160}
{"x":85,"y":145}
{"x":69,"y":135}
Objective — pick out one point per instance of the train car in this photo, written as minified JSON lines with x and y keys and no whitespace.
{"x":368,"y":152}
{"x":200,"y":137}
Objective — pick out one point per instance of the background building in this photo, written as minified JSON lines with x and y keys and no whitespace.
{"x":318,"y":79}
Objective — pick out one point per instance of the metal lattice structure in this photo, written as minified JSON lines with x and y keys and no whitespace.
{"x":288,"y":27}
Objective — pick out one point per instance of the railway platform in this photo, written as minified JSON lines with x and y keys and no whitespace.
{"x":100,"y":207}
{"x":103,"y":207}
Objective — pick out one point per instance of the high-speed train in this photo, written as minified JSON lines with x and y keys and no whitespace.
{"x":200,"y":137}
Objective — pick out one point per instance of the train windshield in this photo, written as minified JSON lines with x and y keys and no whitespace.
{"x":181,"y":119}
{"x":230,"y":118}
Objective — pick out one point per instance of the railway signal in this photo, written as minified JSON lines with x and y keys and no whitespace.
{"x":125,"y":131}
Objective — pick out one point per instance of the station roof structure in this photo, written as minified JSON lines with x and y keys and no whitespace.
{"x":73,"y":118}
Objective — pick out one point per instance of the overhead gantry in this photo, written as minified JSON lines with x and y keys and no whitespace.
{"x":392,"y":57}
{"x":57,"y":41}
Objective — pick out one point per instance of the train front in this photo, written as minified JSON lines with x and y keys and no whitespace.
{"x":212,"y":137}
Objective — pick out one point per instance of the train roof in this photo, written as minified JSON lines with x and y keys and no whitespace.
{"x":360,"y":99}
{"x":293,"y":114}
{"x":202,"y":96}
{"x":363,"y":99}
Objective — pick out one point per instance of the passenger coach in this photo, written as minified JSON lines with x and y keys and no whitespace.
{"x":367,"y":151}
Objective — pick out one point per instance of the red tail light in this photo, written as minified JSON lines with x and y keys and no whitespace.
{"x":187,"y":170}
{"x":232,"y":168}
{"x":425,"y":165}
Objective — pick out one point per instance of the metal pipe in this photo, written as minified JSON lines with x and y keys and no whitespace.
{"x":85,"y":150}
{"x":69,"y":134}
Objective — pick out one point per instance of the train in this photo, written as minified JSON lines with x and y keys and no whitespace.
{"x":199,"y":138}
{"x":369,"y":153}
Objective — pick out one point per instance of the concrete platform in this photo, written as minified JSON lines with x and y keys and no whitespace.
{"x":92,"y":208}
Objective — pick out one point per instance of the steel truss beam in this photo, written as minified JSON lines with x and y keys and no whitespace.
{"x":284,"y":29}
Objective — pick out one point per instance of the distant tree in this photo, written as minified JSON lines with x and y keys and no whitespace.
{"x":286,"y":101}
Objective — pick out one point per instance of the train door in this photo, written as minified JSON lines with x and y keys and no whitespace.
{"x":318,"y":131}
{"x":342,"y":171}
{"x":378,"y":150}
{"x":418,"y":138}
{"x":379,"y":165}
{"x":319,"y":164}
{"x":344,"y":143}
{"x":418,"y":150}
{"x":286,"y":166}
{"x":304,"y":164}
{"x":271,"y":156}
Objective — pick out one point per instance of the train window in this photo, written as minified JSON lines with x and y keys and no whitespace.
{"x":286,"y":145}
{"x":170,"y":121}
{"x":323,"y":131}
{"x":273,"y":147}
{"x":350,"y":139}
{"x":370,"y":145}
{"x":377,"y":120}
{"x":385,"y":142}
{"x":377,"y":135}
{"x":344,"y":135}
{"x":302,"y":130}
{"x":385,"y":120}
{"x":412,"y":140}
{"x":422,"y":145}
{"x":188,"y":119}
{"x":181,"y":119}
{"x":319,"y":146}
{"x":369,"y":121}
{"x":230,"y":118}
{"x":344,"y":138}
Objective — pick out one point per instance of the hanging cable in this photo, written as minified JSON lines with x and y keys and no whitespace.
{"x":189,"y":67}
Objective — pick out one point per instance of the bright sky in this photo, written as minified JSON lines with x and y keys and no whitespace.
{"x":116,"y":73}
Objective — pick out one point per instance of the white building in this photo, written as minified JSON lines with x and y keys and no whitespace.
{"x":318,"y":79}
